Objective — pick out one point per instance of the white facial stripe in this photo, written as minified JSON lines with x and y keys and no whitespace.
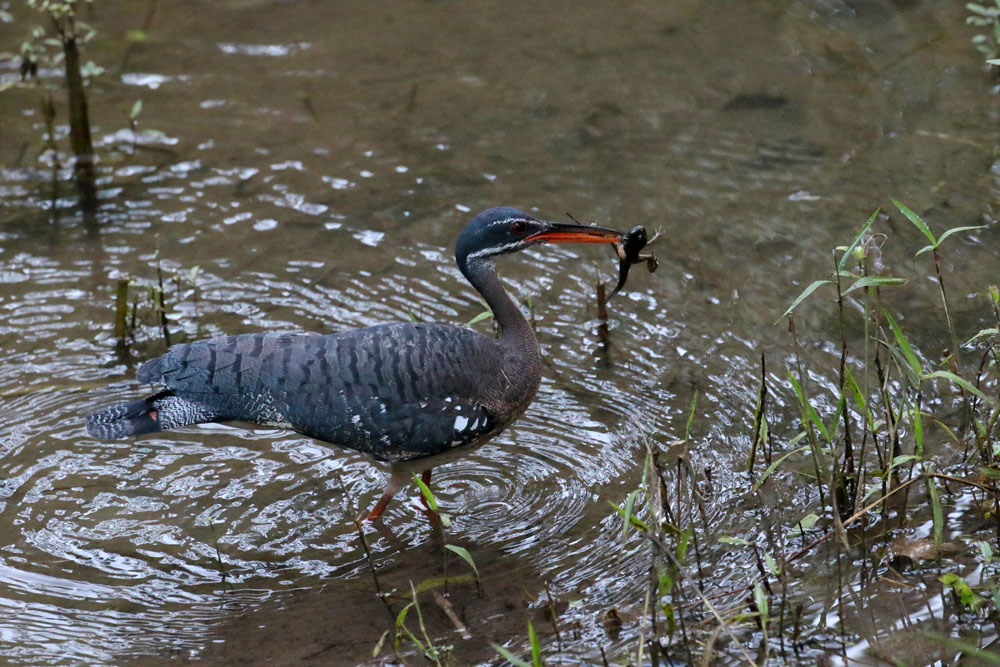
{"x":492,"y":252}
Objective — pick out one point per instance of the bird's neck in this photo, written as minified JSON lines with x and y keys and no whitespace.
{"x":515,"y":331}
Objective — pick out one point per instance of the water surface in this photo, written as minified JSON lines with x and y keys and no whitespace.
{"x":315,"y":161}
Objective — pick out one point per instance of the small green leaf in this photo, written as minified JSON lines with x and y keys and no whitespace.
{"x":92,"y":69}
{"x":874,"y":281}
{"x":968,"y":597}
{"x":725,"y":539}
{"x":989,"y":473}
{"x":774,"y":465}
{"x":135,"y":36}
{"x":378,"y":645}
{"x":904,"y":458}
{"x":401,"y":617}
{"x":804,"y":524}
{"x":760,"y":599}
{"x":857,"y":239}
{"x":135,"y":110}
{"x":771,"y":565}
{"x":917,"y":222}
{"x":682,"y":544}
{"x":464,"y":554}
{"x":801,"y":297}
{"x":426,"y":492}
{"x":665,"y":583}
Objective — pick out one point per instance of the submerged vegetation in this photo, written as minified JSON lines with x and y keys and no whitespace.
{"x":140,"y":307}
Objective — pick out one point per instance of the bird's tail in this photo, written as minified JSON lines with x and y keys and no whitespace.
{"x":125,"y":419}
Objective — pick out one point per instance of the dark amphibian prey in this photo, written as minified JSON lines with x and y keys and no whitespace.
{"x":409,"y":395}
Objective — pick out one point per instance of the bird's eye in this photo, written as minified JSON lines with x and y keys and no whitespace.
{"x":519,"y":228}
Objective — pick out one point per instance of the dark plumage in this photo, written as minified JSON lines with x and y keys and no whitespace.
{"x":405,"y":394}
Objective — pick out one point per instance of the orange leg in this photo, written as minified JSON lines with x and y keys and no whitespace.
{"x":380,"y":506}
{"x":396,"y":482}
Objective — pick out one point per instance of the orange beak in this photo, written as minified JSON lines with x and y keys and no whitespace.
{"x":564,"y":232}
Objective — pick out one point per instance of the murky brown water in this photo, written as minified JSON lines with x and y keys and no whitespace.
{"x":316,"y":161}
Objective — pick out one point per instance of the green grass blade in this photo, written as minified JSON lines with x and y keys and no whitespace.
{"x":955,"y":230}
{"x":961,"y":382}
{"x":626,"y":514}
{"x":380,"y":644}
{"x":774,"y":466}
{"x":936,"y":512}
{"x":760,"y":599}
{"x":536,"y":647}
{"x":801,"y":297}
{"x":687,"y":427}
{"x":904,"y":345}
{"x":485,"y":315}
{"x":917,"y":222}
{"x":966,"y":648}
{"x":426,"y":492}
{"x":857,"y":239}
{"x":874,"y":281}
{"x":994,"y":331}
{"x":510,"y":657}
{"x":808,"y":411}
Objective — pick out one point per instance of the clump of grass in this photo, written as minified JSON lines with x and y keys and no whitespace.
{"x":862,"y":444}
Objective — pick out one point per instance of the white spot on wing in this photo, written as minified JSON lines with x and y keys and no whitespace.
{"x":461,"y":423}
{"x":356,"y":420}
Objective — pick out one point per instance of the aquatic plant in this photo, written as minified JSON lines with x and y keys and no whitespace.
{"x":981,"y":16}
{"x":58,"y":43}
{"x":860,"y":438}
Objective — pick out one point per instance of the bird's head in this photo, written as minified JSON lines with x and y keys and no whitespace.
{"x":503,"y":230}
